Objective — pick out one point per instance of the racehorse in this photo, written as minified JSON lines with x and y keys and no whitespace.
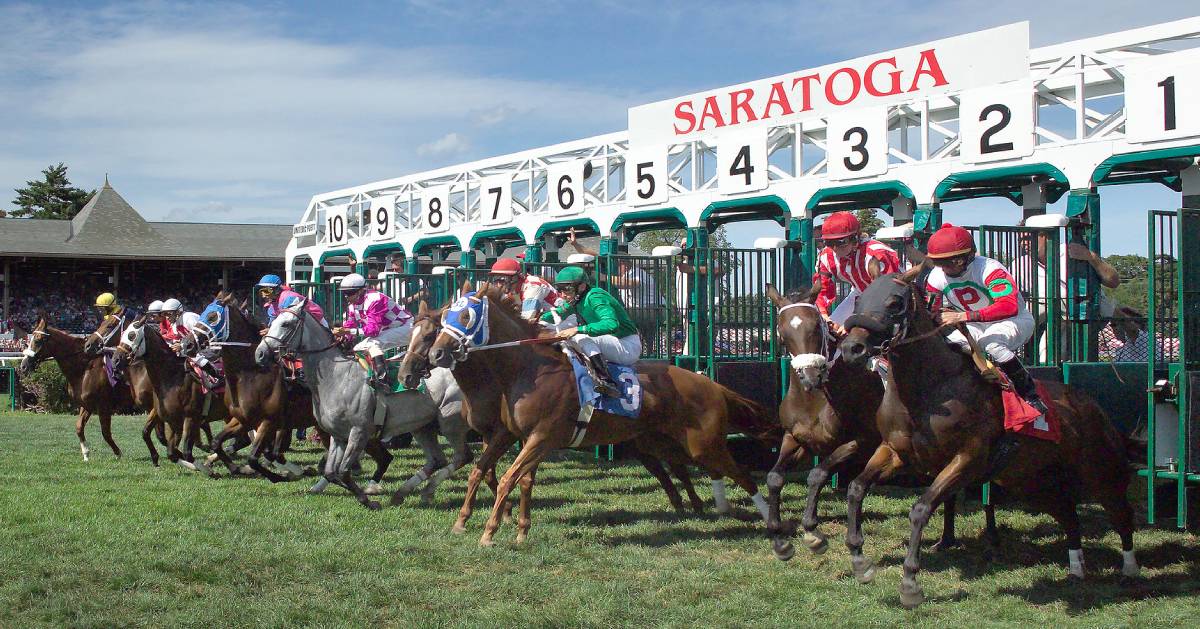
{"x":829,"y":411}
{"x":179,"y":398}
{"x":86,"y":380}
{"x":531,"y":390}
{"x":346,"y":406}
{"x":652,"y":451}
{"x":140,"y":388}
{"x":955,"y":417}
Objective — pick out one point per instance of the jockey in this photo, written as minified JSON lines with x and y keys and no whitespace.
{"x":154,"y":311}
{"x":536,"y":294}
{"x":277,"y":296}
{"x":107,"y":304}
{"x":176,"y":324}
{"x":850,"y":257}
{"x":608,"y":334}
{"x":372,"y":316}
{"x":988,"y":302}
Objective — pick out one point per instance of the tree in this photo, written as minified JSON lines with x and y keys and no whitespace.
{"x":52,"y":197}
{"x":870,"y":221}
{"x":647,"y":241}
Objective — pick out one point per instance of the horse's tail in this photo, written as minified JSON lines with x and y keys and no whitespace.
{"x":752,"y":419}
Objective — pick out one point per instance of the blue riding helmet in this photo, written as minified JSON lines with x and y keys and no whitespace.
{"x":270,"y":280}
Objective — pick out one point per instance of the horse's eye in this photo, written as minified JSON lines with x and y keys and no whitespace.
{"x":131,"y":336}
{"x":895,"y":304}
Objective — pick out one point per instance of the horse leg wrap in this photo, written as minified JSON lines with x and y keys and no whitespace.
{"x":412,"y":483}
{"x":83,"y":447}
{"x":761,"y":503}
{"x":718,"y":488}
{"x":1129,"y":564}
{"x":1075,"y":560}
{"x":322,"y":483}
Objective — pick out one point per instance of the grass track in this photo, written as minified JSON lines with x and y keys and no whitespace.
{"x":120,"y":543}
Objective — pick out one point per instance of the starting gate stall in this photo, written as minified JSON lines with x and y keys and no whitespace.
{"x":981,"y":114}
{"x":1173,"y":338}
{"x":8,"y":387}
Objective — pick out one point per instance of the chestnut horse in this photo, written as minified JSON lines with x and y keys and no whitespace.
{"x":86,"y":380}
{"x":531,"y":390}
{"x":829,"y":411}
{"x":179,"y":398}
{"x":955,"y":417}
{"x":104,"y":338}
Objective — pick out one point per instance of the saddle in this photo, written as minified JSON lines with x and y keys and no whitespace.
{"x":208,"y":383}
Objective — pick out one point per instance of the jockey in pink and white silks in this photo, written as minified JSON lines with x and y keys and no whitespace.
{"x":372,"y":317}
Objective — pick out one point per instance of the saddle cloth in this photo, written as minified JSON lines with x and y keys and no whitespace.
{"x":109,"y":370}
{"x":207,"y":383}
{"x":1023,"y":419}
{"x":628,"y":405}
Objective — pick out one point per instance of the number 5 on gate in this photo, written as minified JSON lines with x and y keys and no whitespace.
{"x":646,"y":176}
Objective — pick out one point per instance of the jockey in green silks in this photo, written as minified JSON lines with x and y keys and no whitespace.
{"x":606,"y":331}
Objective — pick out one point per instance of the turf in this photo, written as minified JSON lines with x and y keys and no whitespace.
{"x":120,"y":543}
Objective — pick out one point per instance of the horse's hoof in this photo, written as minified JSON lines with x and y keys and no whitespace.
{"x":816,"y":542}
{"x":373,"y":489}
{"x":486,"y":542}
{"x":943,"y":545}
{"x":373,"y":505}
{"x":246,"y":470}
{"x":911,"y":595}
{"x":864,"y":569}
{"x":784,"y":551}
{"x":521,"y":537}
{"x":426,"y":499}
{"x":1131,"y":571}
{"x":397,"y":499}
{"x":458,"y":529}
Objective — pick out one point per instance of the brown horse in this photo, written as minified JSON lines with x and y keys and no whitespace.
{"x":954,"y":419}
{"x":106,"y":336}
{"x":86,"y":380}
{"x":829,"y":411}
{"x":531,"y":390}
{"x":179,"y":398}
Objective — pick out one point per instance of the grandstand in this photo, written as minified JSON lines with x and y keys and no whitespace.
{"x":61,"y":265}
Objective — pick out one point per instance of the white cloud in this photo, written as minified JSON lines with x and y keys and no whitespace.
{"x":448,"y":145}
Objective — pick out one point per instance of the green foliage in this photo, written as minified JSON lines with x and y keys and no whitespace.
{"x":1129,"y":266}
{"x":52,"y":197}
{"x":49,"y":387}
{"x":647,"y":241}
{"x":870,"y":221}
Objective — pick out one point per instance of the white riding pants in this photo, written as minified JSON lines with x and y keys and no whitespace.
{"x":999,"y":339}
{"x":623,"y":351}
{"x":388,"y":338}
{"x":845,"y":308}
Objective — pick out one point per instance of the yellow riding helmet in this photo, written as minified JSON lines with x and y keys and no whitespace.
{"x":106,"y":300}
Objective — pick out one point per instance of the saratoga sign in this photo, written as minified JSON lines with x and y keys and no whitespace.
{"x":950,"y":65}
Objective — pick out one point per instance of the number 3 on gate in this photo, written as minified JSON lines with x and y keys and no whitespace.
{"x":856,"y":144}
{"x":742,"y":162}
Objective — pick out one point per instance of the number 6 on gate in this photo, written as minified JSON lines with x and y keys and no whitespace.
{"x":564,"y":184}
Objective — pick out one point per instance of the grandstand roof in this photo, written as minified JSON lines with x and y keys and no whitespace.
{"x":108,"y":227}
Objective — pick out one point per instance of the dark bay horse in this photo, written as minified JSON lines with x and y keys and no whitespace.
{"x":86,"y":380}
{"x":530,"y":389}
{"x":954,"y":418}
{"x":179,"y":398}
{"x":830,"y":412}
{"x":140,"y":388}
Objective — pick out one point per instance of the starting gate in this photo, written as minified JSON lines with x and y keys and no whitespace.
{"x":1173,"y":348}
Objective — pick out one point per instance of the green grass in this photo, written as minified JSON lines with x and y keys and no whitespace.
{"x":120,"y":543}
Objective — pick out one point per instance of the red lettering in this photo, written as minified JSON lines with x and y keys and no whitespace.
{"x":855,"y":86}
{"x":967,"y":297}
{"x":713,"y":111}
{"x":805,"y":96}
{"x":683,"y":112}
{"x":778,"y":98}
{"x":869,"y":78}
{"x":928,"y":66}
{"x":740,"y":101}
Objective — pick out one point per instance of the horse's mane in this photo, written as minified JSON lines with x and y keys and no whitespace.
{"x":509,"y":307}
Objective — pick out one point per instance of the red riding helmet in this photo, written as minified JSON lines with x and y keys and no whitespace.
{"x":506,"y":266}
{"x":840,"y":225}
{"x":950,"y":241}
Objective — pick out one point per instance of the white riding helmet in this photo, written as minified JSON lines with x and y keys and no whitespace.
{"x":171,"y":305}
{"x":154,"y":307}
{"x":353,"y":281}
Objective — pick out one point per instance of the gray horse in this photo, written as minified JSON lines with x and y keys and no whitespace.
{"x":346,"y":407}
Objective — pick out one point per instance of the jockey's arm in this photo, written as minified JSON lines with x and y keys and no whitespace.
{"x":605,"y":322}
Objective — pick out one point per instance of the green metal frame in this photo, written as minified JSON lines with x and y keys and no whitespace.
{"x":1002,"y":182}
{"x":11,"y":374}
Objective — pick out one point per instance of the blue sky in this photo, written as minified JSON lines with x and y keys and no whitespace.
{"x":240,"y":112}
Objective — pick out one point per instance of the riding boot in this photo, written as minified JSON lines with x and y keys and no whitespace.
{"x":1023,"y":383}
{"x":603,"y":380}
{"x":380,"y":366}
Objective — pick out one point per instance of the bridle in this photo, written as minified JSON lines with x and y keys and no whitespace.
{"x":468,"y":335}
{"x":821,"y":360}
{"x":900,"y":329}
{"x":105,"y":338}
{"x":32,"y":354}
{"x":285,"y":342}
